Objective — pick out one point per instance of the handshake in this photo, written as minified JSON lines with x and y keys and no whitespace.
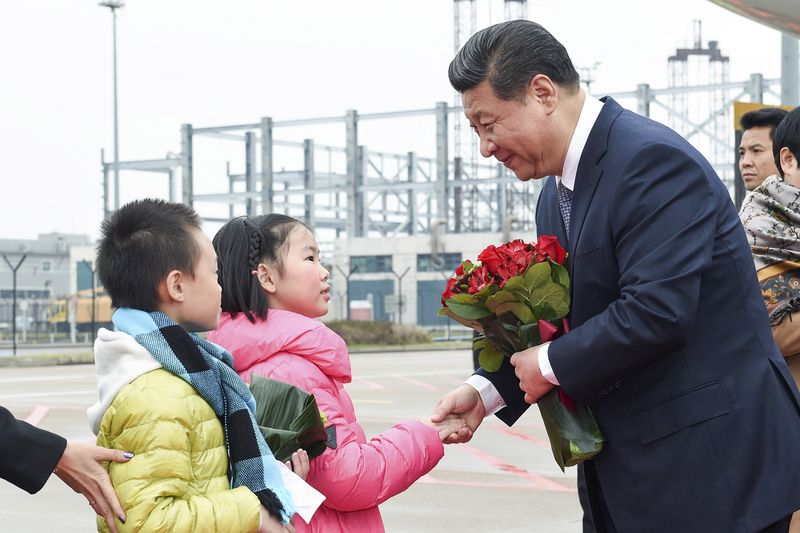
{"x":451,"y":425}
{"x":457,"y":415}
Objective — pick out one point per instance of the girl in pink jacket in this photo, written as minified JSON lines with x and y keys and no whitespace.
{"x":273,"y":289}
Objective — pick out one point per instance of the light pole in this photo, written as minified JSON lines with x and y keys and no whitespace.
{"x":400,"y":293}
{"x":113,"y":5}
{"x":347,"y":279}
{"x":90,"y":268}
{"x":14,"y":300}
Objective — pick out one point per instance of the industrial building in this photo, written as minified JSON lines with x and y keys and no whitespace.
{"x":43,"y":270}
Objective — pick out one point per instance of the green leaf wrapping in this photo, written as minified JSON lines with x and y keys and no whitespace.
{"x":503,"y":333}
{"x":560,"y":274}
{"x":538,"y":275}
{"x":554,"y":296}
{"x":288,"y":418}
{"x":490,"y":358}
{"x":529,"y":334}
{"x":500,"y":297}
{"x":467,"y":311}
{"x":520,"y":310}
{"x":574,"y":435}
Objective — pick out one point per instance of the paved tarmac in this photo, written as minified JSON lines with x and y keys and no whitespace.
{"x":504,"y":480}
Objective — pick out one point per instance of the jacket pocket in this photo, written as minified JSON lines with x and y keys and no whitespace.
{"x":595,"y":255}
{"x":687,"y":409}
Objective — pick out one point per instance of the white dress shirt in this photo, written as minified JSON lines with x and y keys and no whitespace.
{"x":492,"y":401}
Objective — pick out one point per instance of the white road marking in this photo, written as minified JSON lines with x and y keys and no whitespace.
{"x":48,"y":394}
{"x":73,"y":377}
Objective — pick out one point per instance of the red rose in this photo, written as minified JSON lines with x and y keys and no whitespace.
{"x":450,"y":290}
{"x":517,"y":257}
{"x":478,"y":279}
{"x":548,"y":247}
{"x":509,"y":270}
{"x":521,"y":253}
{"x":515,"y":247}
{"x":491,"y":259}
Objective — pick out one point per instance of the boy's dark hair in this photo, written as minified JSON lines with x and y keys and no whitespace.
{"x":509,"y":55}
{"x":787,"y":135}
{"x":141,"y":243}
{"x":766,"y":117}
{"x":241,"y":244}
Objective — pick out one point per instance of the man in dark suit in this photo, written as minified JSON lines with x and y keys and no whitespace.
{"x":670,"y":345}
{"x":28,"y":455}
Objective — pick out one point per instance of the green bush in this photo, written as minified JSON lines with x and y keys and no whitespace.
{"x":364,"y":332}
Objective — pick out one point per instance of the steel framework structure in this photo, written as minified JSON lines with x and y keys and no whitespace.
{"x":695,"y":66}
{"x":468,"y":199}
{"x":354,"y":191}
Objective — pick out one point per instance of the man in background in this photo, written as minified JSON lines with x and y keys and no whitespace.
{"x":756,"y":161}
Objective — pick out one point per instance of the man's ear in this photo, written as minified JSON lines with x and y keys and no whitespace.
{"x":267,"y":277}
{"x":171,"y":288}
{"x":788,"y":161}
{"x":542,"y":89}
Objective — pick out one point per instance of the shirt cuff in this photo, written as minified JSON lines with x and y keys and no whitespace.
{"x":544,"y":364}
{"x":492,"y":401}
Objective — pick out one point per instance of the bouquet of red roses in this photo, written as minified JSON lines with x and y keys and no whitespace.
{"x":518,"y":297}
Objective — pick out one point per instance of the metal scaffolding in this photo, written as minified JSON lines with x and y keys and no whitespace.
{"x":468,"y":202}
{"x":346,"y":189}
{"x":355,"y":191}
{"x":515,"y":9}
{"x":704,"y":114}
{"x":465,"y":145}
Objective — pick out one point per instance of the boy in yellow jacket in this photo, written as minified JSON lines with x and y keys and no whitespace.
{"x":201,"y":463}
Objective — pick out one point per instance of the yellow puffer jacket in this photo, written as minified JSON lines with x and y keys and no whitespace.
{"x":177,"y":481}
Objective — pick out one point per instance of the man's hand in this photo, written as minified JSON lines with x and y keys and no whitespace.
{"x":81,"y":468}
{"x":531,"y":380}
{"x":465,"y":403}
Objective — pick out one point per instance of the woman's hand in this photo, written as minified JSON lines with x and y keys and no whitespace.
{"x":81,"y":468}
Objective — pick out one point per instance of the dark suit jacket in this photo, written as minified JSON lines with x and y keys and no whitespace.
{"x":28,"y":454}
{"x":671,"y":347}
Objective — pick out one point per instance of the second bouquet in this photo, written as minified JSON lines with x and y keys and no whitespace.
{"x":516,"y":297}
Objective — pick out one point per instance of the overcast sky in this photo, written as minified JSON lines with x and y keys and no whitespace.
{"x":225,"y":62}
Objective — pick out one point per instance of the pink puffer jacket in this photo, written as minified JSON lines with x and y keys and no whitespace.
{"x":358,"y":475}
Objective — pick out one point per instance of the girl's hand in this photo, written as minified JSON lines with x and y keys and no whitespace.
{"x":299,"y":463}
{"x":450,"y":425}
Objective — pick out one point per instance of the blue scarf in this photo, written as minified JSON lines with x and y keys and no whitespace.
{"x":209,"y":369}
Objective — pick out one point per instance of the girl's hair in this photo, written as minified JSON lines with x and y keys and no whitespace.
{"x":241,"y":244}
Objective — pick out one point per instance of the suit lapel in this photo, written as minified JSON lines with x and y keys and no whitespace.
{"x":590,"y":170}
{"x":548,"y":215}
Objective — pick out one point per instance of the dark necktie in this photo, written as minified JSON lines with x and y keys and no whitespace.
{"x":564,"y":204}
